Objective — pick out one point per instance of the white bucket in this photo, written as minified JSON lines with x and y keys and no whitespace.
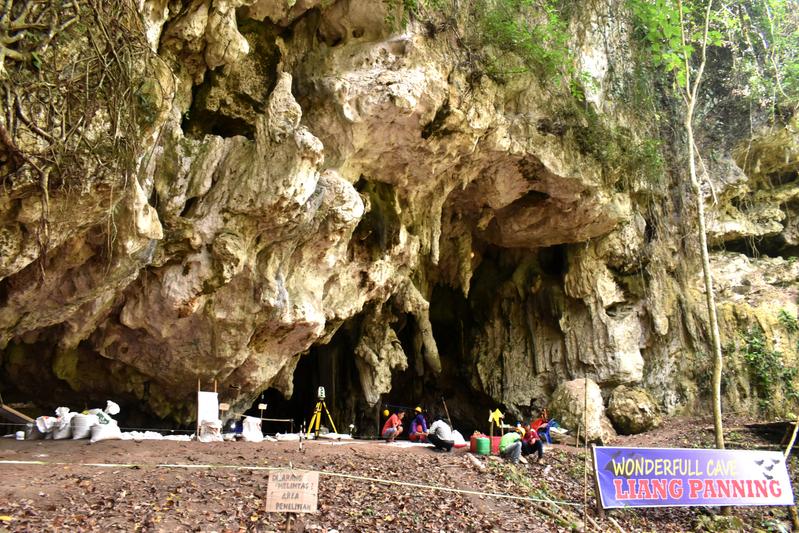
{"x":20,"y":435}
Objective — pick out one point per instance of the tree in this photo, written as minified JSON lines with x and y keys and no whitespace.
{"x":678,"y":34}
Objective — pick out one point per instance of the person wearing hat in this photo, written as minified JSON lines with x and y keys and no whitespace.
{"x":510,"y":445}
{"x":418,"y":431}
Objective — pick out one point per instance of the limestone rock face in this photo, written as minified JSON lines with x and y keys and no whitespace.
{"x":568,"y":407}
{"x":632,"y":410}
{"x":314,"y":185}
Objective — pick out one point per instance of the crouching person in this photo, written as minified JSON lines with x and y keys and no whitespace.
{"x":393,"y":426}
{"x":510,"y":446}
{"x":531,"y":443}
{"x":440,"y":435}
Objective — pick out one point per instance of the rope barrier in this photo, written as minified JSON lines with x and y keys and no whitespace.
{"x":321,"y":473}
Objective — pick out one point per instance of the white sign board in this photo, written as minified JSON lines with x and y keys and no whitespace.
{"x":292,"y":491}
{"x":207,"y":406}
{"x":262,"y":406}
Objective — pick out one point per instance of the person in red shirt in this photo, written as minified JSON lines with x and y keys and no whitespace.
{"x":393,"y":426}
{"x":531,"y":443}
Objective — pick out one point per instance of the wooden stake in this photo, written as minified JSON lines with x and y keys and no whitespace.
{"x":599,"y":509}
{"x":792,"y":509}
{"x":447,"y":411}
{"x":585,"y":450}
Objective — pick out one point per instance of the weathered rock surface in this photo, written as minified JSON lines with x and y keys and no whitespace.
{"x":571,"y":409}
{"x":632,"y":410}
{"x":313,"y":176}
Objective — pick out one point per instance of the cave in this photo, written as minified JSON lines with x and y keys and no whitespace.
{"x":770,"y":246}
{"x":331,"y":366}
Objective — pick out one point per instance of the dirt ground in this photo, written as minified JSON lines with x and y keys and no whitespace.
{"x":119,"y":486}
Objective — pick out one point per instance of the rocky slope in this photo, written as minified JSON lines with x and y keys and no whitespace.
{"x":316,"y":181}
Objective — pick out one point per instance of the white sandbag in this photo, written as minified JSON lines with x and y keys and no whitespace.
{"x":82,"y":425}
{"x":457,"y":438}
{"x":64,"y":431}
{"x":251,"y":429}
{"x":63,"y":426}
{"x":210,"y":431}
{"x":45,"y":424}
{"x":109,"y":431}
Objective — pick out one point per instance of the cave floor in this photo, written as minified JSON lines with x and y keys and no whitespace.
{"x":77,"y":494}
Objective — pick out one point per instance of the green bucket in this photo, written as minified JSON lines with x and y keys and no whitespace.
{"x":483,"y":446}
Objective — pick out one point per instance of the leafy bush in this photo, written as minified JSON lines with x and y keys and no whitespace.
{"x":767,"y":370}
{"x":788,"y":321}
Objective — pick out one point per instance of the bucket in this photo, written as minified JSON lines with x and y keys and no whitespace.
{"x":473,"y":442}
{"x":20,"y":435}
{"x":495,"y":444}
{"x":483,"y":446}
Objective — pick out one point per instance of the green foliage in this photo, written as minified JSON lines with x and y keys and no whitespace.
{"x":788,"y":321}
{"x":767,"y":370}
{"x":534,"y":33}
{"x":508,"y":37}
{"x":625,"y":159}
{"x":399,"y":11}
{"x":767,"y":37}
{"x":762,"y":35}
{"x":673,"y":38}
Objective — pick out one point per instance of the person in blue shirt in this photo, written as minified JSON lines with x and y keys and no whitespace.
{"x":418,"y":427}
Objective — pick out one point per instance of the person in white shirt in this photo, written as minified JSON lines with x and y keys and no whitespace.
{"x":440,"y":435}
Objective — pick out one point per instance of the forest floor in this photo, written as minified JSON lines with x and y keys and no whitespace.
{"x":126,"y":486}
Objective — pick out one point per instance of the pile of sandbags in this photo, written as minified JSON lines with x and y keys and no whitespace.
{"x":94,"y":424}
{"x":52,"y":427}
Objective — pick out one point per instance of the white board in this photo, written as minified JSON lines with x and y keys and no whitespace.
{"x":207,"y":406}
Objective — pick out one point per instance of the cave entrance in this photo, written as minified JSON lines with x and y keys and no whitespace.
{"x":453,"y":321}
{"x":331,"y":366}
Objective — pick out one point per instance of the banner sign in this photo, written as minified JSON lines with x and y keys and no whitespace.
{"x":292,"y":491}
{"x":680,"y":477}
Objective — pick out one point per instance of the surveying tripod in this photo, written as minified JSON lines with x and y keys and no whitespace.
{"x":316,"y":418}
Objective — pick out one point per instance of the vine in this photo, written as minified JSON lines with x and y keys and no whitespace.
{"x":78,"y":93}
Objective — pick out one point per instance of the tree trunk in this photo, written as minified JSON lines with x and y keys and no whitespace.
{"x":715,"y":337}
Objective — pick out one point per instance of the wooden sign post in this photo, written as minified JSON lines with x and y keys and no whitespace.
{"x":292,"y":491}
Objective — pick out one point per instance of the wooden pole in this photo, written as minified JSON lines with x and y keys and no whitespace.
{"x":447,"y":411}
{"x":792,"y":509}
{"x":198,"y":408}
{"x":599,"y":509}
{"x":585,"y":450}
